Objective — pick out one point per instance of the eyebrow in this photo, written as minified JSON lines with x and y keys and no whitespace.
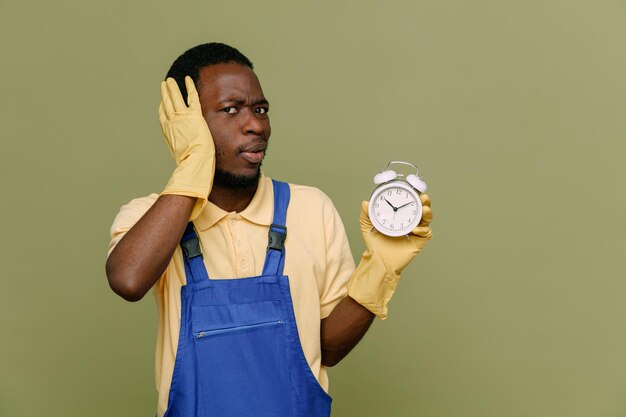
{"x":240,"y":102}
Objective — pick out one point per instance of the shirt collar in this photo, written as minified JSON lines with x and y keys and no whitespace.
{"x":259,"y":211}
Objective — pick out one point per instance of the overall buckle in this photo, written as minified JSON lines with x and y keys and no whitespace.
{"x":191,"y":247}
{"x":277,"y":236}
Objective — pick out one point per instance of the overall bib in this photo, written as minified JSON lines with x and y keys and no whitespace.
{"x":239,"y":353}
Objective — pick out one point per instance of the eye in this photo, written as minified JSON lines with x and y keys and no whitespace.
{"x":230,"y":110}
{"x":261,"y":110}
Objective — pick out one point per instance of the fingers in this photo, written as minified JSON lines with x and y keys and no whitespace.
{"x":162,"y":117}
{"x":175,"y":96}
{"x":192,"y":94}
{"x":166,"y":103}
{"x":423,"y":232}
{"x":427,"y":216}
{"x":425,"y":199}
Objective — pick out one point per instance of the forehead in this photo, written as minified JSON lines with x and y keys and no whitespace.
{"x":223,"y":81}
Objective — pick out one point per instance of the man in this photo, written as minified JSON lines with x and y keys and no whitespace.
{"x":229,"y":346}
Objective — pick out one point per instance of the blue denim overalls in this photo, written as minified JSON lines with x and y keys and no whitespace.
{"x":239,"y":354}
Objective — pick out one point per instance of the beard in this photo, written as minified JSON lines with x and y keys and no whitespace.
{"x":225,"y":179}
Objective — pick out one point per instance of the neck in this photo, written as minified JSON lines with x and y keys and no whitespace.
{"x":229,"y":199}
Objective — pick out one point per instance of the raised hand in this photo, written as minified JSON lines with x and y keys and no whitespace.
{"x":190,"y":142}
{"x":374,"y":282}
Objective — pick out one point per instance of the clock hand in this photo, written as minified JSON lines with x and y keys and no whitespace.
{"x":394,"y":209}
{"x":404,"y":205}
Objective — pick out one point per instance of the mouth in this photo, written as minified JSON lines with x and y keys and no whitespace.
{"x":254,"y":154}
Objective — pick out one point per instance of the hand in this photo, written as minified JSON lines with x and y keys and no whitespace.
{"x":183,"y":126}
{"x":397,"y":252}
{"x":375,"y":279}
{"x":188,"y":137}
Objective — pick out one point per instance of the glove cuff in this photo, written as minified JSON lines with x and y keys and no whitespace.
{"x":193,"y":178}
{"x":372,"y":285}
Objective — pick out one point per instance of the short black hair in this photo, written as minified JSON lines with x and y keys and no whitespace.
{"x":194,"y":59}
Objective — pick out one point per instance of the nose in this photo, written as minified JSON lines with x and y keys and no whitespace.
{"x":253,"y":125}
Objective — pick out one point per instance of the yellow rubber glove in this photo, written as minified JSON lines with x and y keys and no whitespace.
{"x":375,"y":279}
{"x":191,"y":144}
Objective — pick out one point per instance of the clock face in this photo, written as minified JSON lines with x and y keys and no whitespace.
{"x":395,"y":208}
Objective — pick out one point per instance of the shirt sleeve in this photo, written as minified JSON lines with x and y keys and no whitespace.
{"x":339,"y":261}
{"x":128,"y":215}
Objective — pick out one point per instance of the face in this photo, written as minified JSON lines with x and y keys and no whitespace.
{"x":236,"y":111}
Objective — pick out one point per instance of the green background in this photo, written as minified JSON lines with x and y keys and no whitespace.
{"x":514,"y":111}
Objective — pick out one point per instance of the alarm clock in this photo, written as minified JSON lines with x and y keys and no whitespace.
{"x":395,"y":207}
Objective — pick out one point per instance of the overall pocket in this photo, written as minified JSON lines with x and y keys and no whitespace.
{"x":205,"y":333}
{"x":242,"y":360}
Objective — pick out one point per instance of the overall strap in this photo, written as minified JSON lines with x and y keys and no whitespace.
{"x":192,"y":256}
{"x":275,"y":258}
